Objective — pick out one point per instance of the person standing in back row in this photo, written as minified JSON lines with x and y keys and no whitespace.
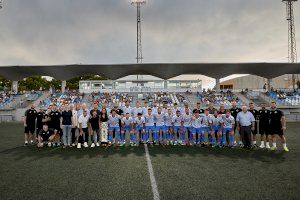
{"x":277,"y":126}
{"x":245,"y":120}
{"x":234,"y":111}
{"x":264,"y":123}
{"x":67,"y":126}
{"x":29,"y":124}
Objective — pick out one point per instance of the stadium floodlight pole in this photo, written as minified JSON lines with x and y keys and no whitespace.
{"x":139,"y":52}
{"x":1,"y":5}
{"x":292,"y":50}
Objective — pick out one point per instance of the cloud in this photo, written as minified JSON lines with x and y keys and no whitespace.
{"x":36,"y":32}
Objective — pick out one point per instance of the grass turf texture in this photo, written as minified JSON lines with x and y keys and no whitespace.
{"x":180,"y":172}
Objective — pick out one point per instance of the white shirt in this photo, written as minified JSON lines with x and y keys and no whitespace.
{"x":139,"y":122}
{"x":127,"y":110}
{"x":83,"y":120}
{"x":127,"y":122}
{"x":197,"y":122}
{"x":187,"y":119}
{"x":228,"y":121}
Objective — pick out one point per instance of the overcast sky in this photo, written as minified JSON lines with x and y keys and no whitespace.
{"x":34,"y":32}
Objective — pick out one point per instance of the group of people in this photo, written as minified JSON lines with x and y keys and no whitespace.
{"x":76,"y":125}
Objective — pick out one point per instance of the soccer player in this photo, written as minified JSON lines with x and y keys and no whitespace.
{"x":95,"y":109}
{"x":228,"y":123}
{"x":264,"y":120}
{"x":196,"y":127}
{"x":127,"y":127}
{"x":137,"y":109}
{"x":154,"y":108}
{"x":127,"y":108}
{"x":176,"y":108}
{"x":198,"y":108}
{"x":55,"y":124}
{"x":169,"y":126}
{"x":95,"y":126}
{"x":114,"y":127}
{"x":217,"y":127}
{"x":206,"y":124}
{"x":178,"y":128}
{"x":187,"y":120}
{"x":234,"y":111}
{"x":277,"y":126}
{"x":149,"y":126}
{"x":43,"y":136}
{"x":159,"y":118}
{"x":29,"y":124}
{"x":139,"y":122}
{"x":222,"y":110}
{"x":83,"y":129}
{"x":211,"y":108}
{"x":255,"y":114}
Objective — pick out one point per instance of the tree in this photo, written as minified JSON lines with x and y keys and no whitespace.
{"x":5,"y":84}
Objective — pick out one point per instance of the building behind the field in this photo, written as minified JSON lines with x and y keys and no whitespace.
{"x":257,"y":82}
{"x":140,"y":83}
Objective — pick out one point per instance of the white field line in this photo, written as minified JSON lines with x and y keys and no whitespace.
{"x":151,"y":173}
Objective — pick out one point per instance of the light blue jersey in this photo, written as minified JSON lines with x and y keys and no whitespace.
{"x":137,"y":110}
{"x":177,"y":120}
{"x":149,"y":120}
{"x":169,"y":120}
{"x":127,"y":121}
{"x":127,"y":110}
{"x":206,"y":121}
{"x":159,"y":119}
{"x":187,"y":120}
{"x":197,"y":122}
{"x":139,"y":122}
{"x":228,"y":121}
{"x":113,"y":121}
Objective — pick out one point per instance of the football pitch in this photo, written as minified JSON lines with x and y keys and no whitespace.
{"x":179,"y":172}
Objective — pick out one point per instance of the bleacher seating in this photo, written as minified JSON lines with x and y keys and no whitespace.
{"x":221,"y":98}
{"x":286,"y":98}
{"x":62,"y":98}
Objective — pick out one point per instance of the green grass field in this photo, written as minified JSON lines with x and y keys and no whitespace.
{"x":180,"y":172}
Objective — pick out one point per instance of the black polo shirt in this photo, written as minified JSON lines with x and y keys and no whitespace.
{"x":31,"y":115}
{"x":66,"y":117}
{"x":254,"y":113}
{"x":199,"y":110}
{"x":264,"y":117}
{"x":275,"y":117}
{"x":235,"y":111}
{"x":39,"y":120}
{"x":55,"y":119}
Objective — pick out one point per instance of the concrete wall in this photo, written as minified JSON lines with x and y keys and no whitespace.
{"x":256,"y":82}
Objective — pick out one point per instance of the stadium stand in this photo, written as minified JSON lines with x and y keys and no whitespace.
{"x":224,"y":97}
{"x":286,"y":98}
{"x":71,"y":97}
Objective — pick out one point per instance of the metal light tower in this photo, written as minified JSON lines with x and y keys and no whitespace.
{"x":292,"y":50}
{"x":1,"y":4}
{"x":139,"y":53}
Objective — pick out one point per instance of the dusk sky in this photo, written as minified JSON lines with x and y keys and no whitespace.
{"x":40,"y":32}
